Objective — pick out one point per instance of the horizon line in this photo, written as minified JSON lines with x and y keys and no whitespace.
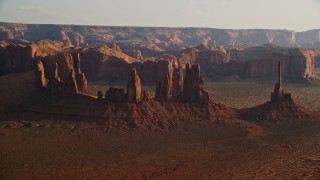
{"x":148,"y":26}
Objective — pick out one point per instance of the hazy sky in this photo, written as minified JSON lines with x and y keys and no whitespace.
{"x":296,"y":15}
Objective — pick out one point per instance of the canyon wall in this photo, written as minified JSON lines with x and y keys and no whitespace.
{"x":261,"y":61}
{"x":155,"y":38}
{"x":102,"y":62}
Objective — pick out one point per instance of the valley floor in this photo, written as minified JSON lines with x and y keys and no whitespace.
{"x":197,"y":150}
{"x":190,"y":150}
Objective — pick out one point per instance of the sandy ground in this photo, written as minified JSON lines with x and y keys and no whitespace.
{"x":200,"y":150}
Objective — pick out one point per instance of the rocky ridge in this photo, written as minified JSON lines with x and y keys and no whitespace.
{"x":103,"y":62}
{"x":135,"y":108}
{"x":156,"y":37}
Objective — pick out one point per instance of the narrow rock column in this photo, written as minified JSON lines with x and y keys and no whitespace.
{"x":277,"y":92}
{"x":40,"y":76}
{"x":134,"y":87}
{"x":71,"y":84}
{"x":79,"y":76}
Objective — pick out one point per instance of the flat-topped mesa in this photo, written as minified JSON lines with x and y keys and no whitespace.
{"x":193,"y":85}
{"x":134,"y":87}
{"x":278,"y":93}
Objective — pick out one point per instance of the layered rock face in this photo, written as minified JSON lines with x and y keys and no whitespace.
{"x":133,"y":93}
{"x":75,"y":39}
{"x":70,"y":84}
{"x":153,"y":37}
{"x":64,"y":74}
{"x":175,"y":87}
{"x":41,"y":81}
{"x":193,"y":85}
{"x":209,"y":58}
{"x":177,"y":83}
{"x":79,"y":76}
{"x":102,"y":62}
{"x":115,"y":47}
{"x":134,"y":87}
{"x":262,"y":61}
{"x":152,"y":71}
{"x":257,"y":62}
{"x":310,"y":37}
{"x":317,"y":61}
{"x":137,"y":54}
{"x":169,"y":85}
{"x":16,"y":58}
{"x":23,"y":58}
{"x":65,"y":65}
{"x":214,"y":55}
{"x":55,"y":85}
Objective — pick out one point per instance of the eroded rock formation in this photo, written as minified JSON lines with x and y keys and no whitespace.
{"x":133,"y":94}
{"x":175,"y":87}
{"x":137,"y":54}
{"x":79,"y":76}
{"x":70,"y":84}
{"x":169,"y":85}
{"x":134,"y":87}
{"x":193,"y":85}
{"x":278,"y":93}
{"x":262,"y":61}
{"x":317,"y":61}
{"x":212,"y":54}
{"x":55,"y":84}
{"x":16,"y":58}
{"x":177,"y":83}
{"x":102,"y":61}
{"x":115,"y":47}
{"x":41,"y":81}
{"x":116,"y":95}
{"x":75,"y":39}
{"x":64,"y":74}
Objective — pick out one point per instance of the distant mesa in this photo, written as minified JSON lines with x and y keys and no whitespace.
{"x":157,"y":37}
